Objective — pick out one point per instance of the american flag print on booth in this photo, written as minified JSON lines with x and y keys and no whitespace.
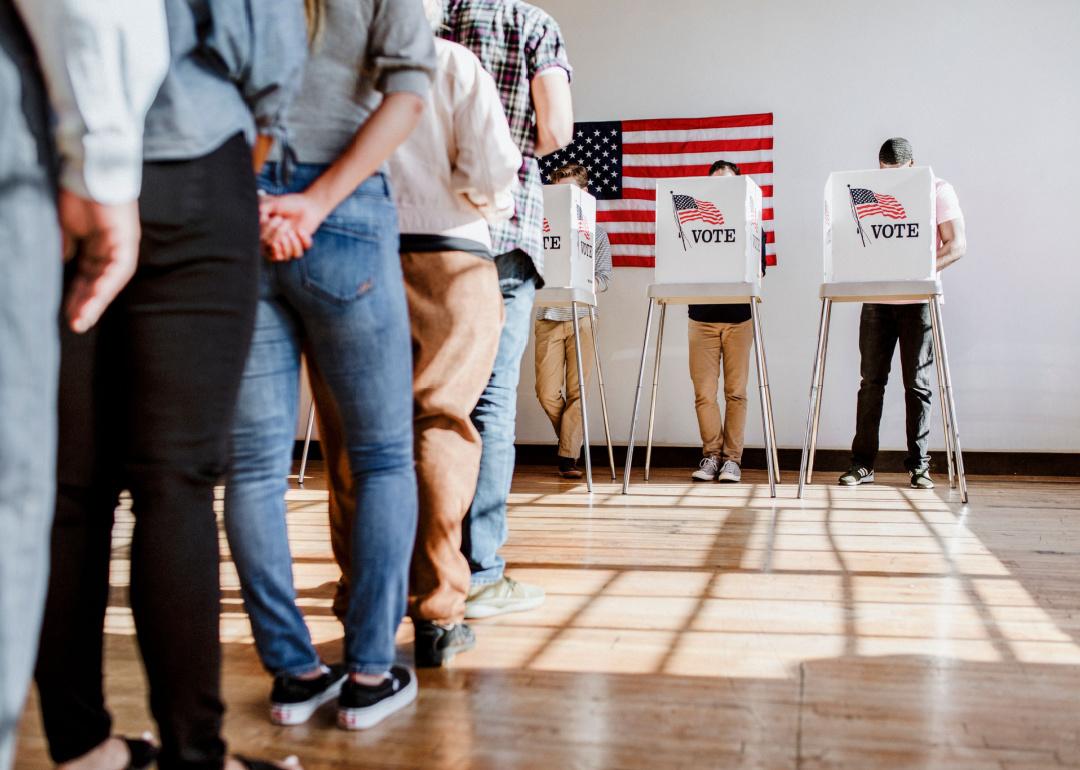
{"x":867,"y":203}
{"x":582,"y":225}
{"x":547,"y":226}
{"x":626,"y":157}
{"x":691,"y":209}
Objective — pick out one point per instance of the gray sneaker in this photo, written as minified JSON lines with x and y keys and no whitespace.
{"x":708,"y":470}
{"x":920,"y":479}
{"x":730,"y":472}
{"x":857,"y":474}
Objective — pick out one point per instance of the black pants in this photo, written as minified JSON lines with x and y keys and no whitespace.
{"x":880,"y":327}
{"x":146,"y":400}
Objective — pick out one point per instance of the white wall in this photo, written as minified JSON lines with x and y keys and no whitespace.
{"x":987,"y":92}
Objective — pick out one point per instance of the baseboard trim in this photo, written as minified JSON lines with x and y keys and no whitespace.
{"x":827,"y":460}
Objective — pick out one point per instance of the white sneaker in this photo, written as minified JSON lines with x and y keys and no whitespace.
{"x":710,"y":466}
{"x":730,"y":472}
{"x":505,"y":595}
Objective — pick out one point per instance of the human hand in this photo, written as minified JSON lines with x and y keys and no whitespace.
{"x":103,"y":239}
{"x":281,"y":241}
{"x":290,"y":221}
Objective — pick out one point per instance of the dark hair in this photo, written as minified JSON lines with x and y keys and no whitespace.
{"x":574,"y":171}
{"x":895,"y":151}
{"x":724,"y":164}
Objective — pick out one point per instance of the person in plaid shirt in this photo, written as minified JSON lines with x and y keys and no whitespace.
{"x":522,"y":47}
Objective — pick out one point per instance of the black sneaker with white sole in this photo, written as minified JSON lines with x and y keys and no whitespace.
{"x":294,"y":700}
{"x":437,"y":644}
{"x":857,"y":474}
{"x":361,"y":707}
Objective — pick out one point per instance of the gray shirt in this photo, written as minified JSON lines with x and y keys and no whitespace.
{"x":366,"y":48}
{"x":236,"y":65}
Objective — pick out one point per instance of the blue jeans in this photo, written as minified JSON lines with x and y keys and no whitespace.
{"x":29,"y":360}
{"x":343,"y":305}
{"x":495,"y":416}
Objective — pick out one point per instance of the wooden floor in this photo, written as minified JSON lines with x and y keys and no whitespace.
{"x":708,"y":626}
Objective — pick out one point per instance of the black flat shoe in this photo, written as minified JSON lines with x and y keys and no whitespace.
{"x":141,"y":753}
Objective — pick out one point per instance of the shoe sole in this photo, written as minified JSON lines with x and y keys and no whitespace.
{"x":291,"y":714}
{"x":487,"y":610}
{"x":368,"y":717}
{"x":698,"y":478}
{"x":725,"y":479}
{"x":868,"y":480}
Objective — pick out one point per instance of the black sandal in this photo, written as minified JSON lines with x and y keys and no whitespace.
{"x":142,"y":754}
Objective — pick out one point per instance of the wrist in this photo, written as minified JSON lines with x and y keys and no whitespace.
{"x":322,"y":198}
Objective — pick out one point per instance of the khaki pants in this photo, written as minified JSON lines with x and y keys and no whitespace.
{"x":710,"y":345}
{"x":556,"y":375}
{"x":456,"y":314}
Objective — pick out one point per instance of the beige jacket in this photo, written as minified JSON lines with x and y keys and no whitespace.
{"x":457,"y":171}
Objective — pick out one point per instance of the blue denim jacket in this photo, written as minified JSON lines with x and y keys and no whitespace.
{"x":235,"y":66}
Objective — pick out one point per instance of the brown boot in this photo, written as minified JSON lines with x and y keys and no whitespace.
{"x":568,"y":468}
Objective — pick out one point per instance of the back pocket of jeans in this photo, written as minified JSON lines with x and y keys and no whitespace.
{"x":341,"y":264}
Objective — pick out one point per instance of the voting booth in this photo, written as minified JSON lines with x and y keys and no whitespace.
{"x":879,"y":241}
{"x":570,"y":281}
{"x":708,"y":252}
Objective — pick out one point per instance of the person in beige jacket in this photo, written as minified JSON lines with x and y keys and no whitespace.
{"x":454,"y":175}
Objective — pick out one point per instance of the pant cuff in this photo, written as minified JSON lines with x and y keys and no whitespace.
{"x":370,"y":669}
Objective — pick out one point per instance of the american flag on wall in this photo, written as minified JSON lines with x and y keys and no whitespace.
{"x":626,"y":157}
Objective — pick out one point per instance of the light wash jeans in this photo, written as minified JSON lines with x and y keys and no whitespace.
{"x":29,"y":363}
{"x":495,"y":416}
{"x":343,"y":304}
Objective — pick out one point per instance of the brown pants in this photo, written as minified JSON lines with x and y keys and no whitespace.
{"x":556,"y":375}
{"x":711,"y":344}
{"x":456,"y":313}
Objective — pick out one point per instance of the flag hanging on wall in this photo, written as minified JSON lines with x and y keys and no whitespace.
{"x":626,"y":157}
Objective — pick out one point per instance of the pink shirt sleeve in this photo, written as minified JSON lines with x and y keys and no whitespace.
{"x":948,"y":205}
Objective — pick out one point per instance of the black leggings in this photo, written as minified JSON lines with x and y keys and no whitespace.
{"x":146,"y":400}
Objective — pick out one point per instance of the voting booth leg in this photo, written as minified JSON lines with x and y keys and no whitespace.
{"x":941,"y":401}
{"x":814,"y":384}
{"x":766,"y":423}
{"x":637,"y":400}
{"x":950,"y":401}
{"x":307,"y":444}
{"x":582,"y":394}
{"x":603,"y":394}
{"x":820,"y":394}
{"x":767,"y":402}
{"x":655,"y":387}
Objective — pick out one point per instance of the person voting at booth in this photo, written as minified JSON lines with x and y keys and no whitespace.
{"x":721,"y":336}
{"x":882,"y":325}
{"x":556,"y":373}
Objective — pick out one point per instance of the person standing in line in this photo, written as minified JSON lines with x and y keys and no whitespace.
{"x":556,"y":368}
{"x":882,"y":326}
{"x":334,"y":290}
{"x":522,"y":47}
{"x":99,"y":68}
{"x":146,"y":397}
{"x":721,"y":336}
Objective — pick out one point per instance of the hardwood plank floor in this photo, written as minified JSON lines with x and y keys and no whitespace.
{"x":708,"y":626}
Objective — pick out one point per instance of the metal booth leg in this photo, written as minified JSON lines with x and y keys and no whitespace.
{"x":950,"y":401}
{"x":811,"y":407}
{"x":756,"y":315}
{"x":582,"y":394}
{"x":655,"y":386}
{"x":307,"y":444}
{"x":637,"y":400}
{"x":603,"y":394}
{"x":766,"y":427}
{"x":941,"y":401}
{"x":820,"y":393}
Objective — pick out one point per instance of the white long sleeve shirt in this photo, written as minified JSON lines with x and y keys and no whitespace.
{"x":103,"y":61}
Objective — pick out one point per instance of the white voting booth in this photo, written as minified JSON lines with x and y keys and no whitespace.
{"x":708,"y":252}
{"x":880,"y":245}
{"x":569,"y":281}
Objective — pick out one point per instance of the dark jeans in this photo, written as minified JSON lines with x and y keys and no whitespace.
{"x":879,"y":329}
{"x":146,"y":400}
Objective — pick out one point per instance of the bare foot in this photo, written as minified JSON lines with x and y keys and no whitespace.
{"x":112,"y":754}
{"x":289,"y":763}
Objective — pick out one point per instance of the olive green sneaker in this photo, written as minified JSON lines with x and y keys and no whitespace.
{"x":920,"y":479}
{"x":857,"y":474}
{"x":501,"y":597}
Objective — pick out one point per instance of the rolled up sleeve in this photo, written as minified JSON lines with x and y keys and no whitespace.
{"x":401,"y":48}
{"x":103,"y":62}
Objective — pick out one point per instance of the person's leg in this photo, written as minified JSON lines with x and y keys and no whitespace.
{"x":550,"y":359}
{"x":455,"y":310}
{"x":495,"y":417}
{"x":570,"y":430}
{"x":704,"y":357}
{"x":29,"y":300}
{"x":190,"y":312}
{"x":738,"y":338}
{"x":916,"y":361}
{"x":877,"y":340}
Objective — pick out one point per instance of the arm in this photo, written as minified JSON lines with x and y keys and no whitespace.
{"x":953,"y":242}
{"x":554,"y":111}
